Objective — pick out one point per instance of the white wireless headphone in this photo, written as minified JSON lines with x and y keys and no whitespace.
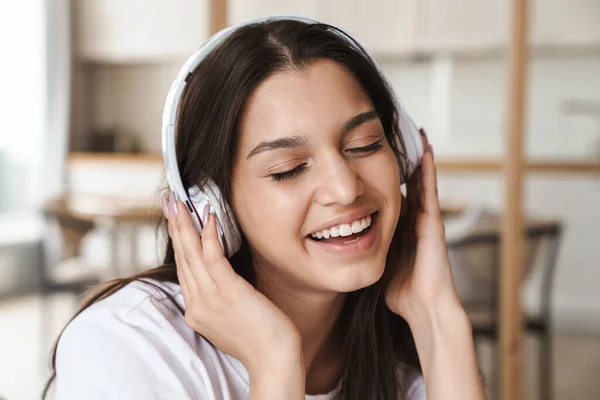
{"x":196,"y":198}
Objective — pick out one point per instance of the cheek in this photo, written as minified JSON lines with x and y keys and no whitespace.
{"x":267,"y":215}
{"x":383,"y":176}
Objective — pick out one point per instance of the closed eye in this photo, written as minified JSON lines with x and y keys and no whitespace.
{"x":281,"y":176}
{"x":373,"y":147}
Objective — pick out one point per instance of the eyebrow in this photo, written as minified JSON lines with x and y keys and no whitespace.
{"x":359,"y":120}
{"x":295,"y":141}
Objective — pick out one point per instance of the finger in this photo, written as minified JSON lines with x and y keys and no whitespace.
{"x":425,"y":142}
{"x":180,"y":277}
{"x":431,"y":203}
{"x":414,"y":183}
{"x":182,"y":265}
{"x":415,"y":180}
{"x":216,"y":263}
{"x":185,"y":290}
{"x":179,"y":267}
{"x":192,"y":247}
{"x":424,"y":139}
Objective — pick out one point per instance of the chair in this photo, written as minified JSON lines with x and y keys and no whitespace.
{"x":62,"y":269}
{"x":543,"y":240}
{"x":65,"y":272}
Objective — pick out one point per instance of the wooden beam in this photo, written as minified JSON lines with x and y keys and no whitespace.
{"x":77,"y":157}
{"x":538,"y":166}
{"x":460,"y":165}
{"x":511,"y":313}
{"x":218,"y":15}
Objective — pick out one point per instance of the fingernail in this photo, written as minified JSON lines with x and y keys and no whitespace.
{"x":205,"y":213}
{"x":422,"y":132}
{"x":173,"y":203}
{"x":164,"y":206}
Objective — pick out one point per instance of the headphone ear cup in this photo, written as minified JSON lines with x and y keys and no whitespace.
{"x":199,"y":200}
{"x":196,"y":203}
{"x":228,"y":229}
{"x":413,"y":143}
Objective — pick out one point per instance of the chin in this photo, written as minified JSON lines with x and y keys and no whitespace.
{"x":349,"y":278}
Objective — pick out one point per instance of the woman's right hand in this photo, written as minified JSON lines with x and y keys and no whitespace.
{"x":221,"y":305}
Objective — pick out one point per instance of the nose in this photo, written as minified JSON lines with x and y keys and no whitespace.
{"x":339,"y":183}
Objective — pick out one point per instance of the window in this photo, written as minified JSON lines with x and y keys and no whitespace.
{"x":22,"y":102}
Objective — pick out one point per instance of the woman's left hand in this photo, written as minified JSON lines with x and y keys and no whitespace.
{"x":428,"y":285}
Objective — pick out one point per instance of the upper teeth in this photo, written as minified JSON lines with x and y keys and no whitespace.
{"x":344,"y":229}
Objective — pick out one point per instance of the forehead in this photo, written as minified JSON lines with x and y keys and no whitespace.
{"x":313,"y":102}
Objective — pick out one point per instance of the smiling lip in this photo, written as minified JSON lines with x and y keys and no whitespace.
{"x":354,"y":247}
{"x":345,"y":219}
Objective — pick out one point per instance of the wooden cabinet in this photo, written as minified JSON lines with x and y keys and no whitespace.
{"x":159,"y":30}
{"x":462,"y":25}
{"x":405,"y":27}
{"x":565,"y":23}
{"x":473,"y":25}
{"x":382,"y":26}
{"x":242,"y":10}
{"x":139,"y":30}
{"x":385,"y":27}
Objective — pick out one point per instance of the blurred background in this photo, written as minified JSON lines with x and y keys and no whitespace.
{"x":83,"y":84}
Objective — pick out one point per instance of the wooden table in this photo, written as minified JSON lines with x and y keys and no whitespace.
{"x":75,"y":224}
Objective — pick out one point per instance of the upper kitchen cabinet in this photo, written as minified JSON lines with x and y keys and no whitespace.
{"x":564,"y":23}
{"x":462,"y":25}
{"x":385,"y":27}
{"x":473,"y":25}
{"x":242,"y":10}
{"x":117,"y":31}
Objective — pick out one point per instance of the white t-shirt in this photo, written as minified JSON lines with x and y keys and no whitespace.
{"x":135,"y":345}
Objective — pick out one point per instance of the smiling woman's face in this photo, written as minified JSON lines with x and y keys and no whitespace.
{"x":312,"y":160}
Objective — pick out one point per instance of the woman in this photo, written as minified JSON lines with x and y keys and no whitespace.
{"x":341,"y":287}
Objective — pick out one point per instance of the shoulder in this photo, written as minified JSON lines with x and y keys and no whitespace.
{"x":131,"y":312}
{"x":416,"y":388}
{"x":119,"y":344}
{"x":412,"y":382}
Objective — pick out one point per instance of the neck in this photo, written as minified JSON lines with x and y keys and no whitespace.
{"x":315,"y":314}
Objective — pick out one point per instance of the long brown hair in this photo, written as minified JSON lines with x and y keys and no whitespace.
{"x":377,"y":342}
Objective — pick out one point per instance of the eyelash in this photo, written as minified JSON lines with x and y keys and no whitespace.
{"x":366,"y":149}
{"x":281,"y":176}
